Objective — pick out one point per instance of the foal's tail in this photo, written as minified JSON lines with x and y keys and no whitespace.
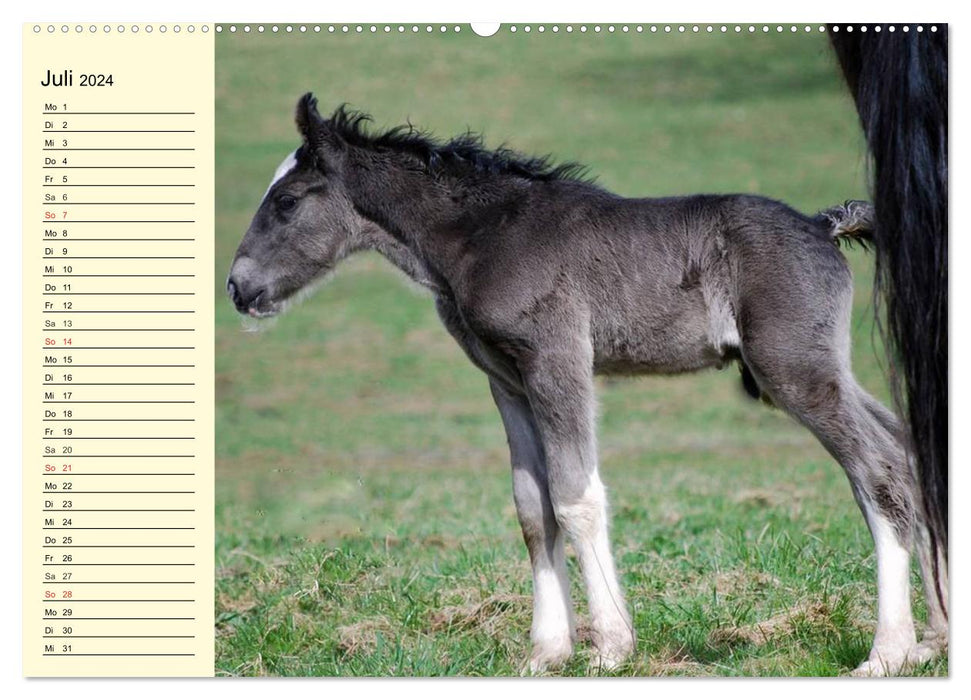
{"x":850,"y":222}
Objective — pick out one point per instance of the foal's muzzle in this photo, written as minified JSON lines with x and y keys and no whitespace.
{"x":247,"y":295}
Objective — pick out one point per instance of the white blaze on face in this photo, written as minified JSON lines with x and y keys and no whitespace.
{"x":288,"y":164}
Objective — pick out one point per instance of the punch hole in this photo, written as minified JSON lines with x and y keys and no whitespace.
{"x":36,"y":29}
{"x":205,"y":29}
{"x":148,"y":29}
{"x":94,"y":28}
{"x":526,"y":29}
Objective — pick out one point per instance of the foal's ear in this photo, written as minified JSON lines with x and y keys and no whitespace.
{"x":309,"y":122}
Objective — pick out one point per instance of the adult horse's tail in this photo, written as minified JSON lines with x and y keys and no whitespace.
{"x":899,"y":82}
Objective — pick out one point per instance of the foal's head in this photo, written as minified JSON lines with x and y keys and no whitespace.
{"x":305,"y":224}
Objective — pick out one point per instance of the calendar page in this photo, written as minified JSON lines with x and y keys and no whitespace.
{"x":437,"y":349}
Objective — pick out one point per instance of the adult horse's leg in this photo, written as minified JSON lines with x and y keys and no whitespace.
{"x":554,"y":631}
{"x":559,"y":385}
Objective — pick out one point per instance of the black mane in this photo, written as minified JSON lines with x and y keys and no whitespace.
{"x":461,"y":153}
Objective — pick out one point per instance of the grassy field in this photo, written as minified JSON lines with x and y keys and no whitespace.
{"x":365,"y":523}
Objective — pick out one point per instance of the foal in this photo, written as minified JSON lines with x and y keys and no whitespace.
{"x":545,"y":279}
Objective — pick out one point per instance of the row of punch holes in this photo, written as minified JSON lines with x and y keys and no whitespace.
{"x":555,"y":28}
{"x":541,"y":29}
{"x":121,"y":28}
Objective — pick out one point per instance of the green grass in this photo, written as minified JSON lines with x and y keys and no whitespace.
{"x":365,"y":523}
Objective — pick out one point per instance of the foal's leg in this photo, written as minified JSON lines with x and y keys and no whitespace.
{"x":554,"y":631}
{"x":825,"y":397}
{"x":559,"y":384}
{"x":935,"y":635}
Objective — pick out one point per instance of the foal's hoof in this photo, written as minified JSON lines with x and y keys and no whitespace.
{"x":609,"y":655}
{"x":893,"y":663}
{"x":548,"y":656}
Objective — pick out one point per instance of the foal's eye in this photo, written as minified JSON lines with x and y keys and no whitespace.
{"x":285,"y":202}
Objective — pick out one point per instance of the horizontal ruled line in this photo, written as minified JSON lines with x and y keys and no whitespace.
{"x":71,"y":366}
{"x":104,"y":583}
{"x":73,"y":564}
{"x":118,"y":510}
{"x":113,"y":275}
{"x":119,"y":221}
{"x":114,"y":437}
{"x":74,"y":474}
{"x":118,"y":546}
{"x":119,"y":618}
{"x":119,"y":294}
{"x":118,"y":149}
{"x":107,"y":184}
{"x":56,"y":113}
{"x":119,"y":600}
{"x":119,"y":167}
{"x":129,"y":240}
{"x":117,"y":383}
{"x":72,"y":527}
{"x":72,"y":491}
{"x":119,"y":636}
{"x":120,"y":456}
{"x":118,"y":131}
{"x":71,"y":653}
{"x":116,"y":204}
{"x":69,"y":401}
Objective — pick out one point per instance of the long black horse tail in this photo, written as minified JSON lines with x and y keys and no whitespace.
{"x":899,"y":82}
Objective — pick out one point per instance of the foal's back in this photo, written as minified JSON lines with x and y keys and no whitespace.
{"x":660,"y":285}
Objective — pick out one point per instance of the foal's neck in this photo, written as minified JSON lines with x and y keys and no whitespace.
{"x":401,"y":256}
{"x":412,"y":216}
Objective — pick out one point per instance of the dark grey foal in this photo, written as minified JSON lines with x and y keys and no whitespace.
{"x":545,"y":279}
